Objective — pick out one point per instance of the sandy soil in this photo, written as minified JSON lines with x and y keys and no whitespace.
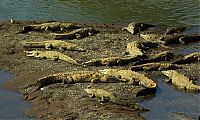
{"x":60,"y":101}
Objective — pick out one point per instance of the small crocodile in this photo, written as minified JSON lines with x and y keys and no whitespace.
{"x":163,"y":56}
{"x":53,"y":55}
{"x":78,"y":33}
{"x":154,"y":66}
{"x":131,"y":77}
{"x":189,"y":38}
{"x":175,"y":30}
{"x":106,"y":96}
{"x":138,"y":48}
{"x":51,"y":26}
{"x":50,"y":44}
{"x":135,"y":48}
{"x":164,"y":39}
{"x":181,"y":81}
{"x":189,"y":58}
{"x":111,"y":61}
{"x":136,"y":27}
{"x":69,"y":78}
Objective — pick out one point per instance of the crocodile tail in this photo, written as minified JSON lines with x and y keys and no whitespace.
{"x":28,"y":89}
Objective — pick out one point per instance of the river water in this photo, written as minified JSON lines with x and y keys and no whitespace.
{"x":168,"y":12}
{"x":11,"y":106}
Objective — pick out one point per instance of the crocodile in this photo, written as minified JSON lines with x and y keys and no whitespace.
{"x":154,"y":66}
{"x":175,"y":30}
{"x":136,"y":27}
{"x":189,"y":58}
{"x":78,"y":33}
{"x":69,"y":78}
{"x":106,"y":96}
{"x":160,"y":38}
{"x":163,"y":56}
{"x":53,"y":55}
{"x":50,"y":44}
{"x":189,"y":38}
{"x":111,"y":61}
{"x":131,"y":77}
{"x":135,"y":48}
{"x":51,"y":26}
{"x":181,"y":81}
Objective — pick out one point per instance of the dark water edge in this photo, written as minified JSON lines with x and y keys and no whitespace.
{"x":169,"y":100}
{"x":11,"y":106}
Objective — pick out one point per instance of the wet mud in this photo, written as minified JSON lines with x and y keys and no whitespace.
{"x":70,"y":101}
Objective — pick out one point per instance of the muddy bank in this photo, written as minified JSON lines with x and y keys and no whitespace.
{"x":70,"y":101}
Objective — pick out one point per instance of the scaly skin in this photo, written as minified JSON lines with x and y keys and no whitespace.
{"x":111,"y":61}
{"x":109,"y":97}
{"x":78,"y":33}
{"x":189,"y":58}
{"x":165,"y":39}
{"x":181,"y":81}
{"x":69,"y":78}
{"x":53,"y":55}
{"x":52,"y":26}
{"x":154,"y":66}
{"x":131,"y":77}
{"x":57,"y":44}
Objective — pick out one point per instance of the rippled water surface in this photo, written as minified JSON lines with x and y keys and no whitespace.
{"x":171,"y":12}
{"x":11,"y":106}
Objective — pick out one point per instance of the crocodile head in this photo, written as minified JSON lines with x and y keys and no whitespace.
{"x":32,"y":53}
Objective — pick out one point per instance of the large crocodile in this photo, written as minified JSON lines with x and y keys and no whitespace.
{"x":181,"y":81}
{"x":131,"y":77}
{"x":69,"y":78}
{"x":189,"y":58}
{"x":154,"y":66}
{"x":163,"y":56}
{"x":111,"y":61}
{"x":110,"y":97}
{"x":52,"y":26}
{"x":78,"y":33}
{"x":50,"y":44}
{"x":53,"y":55}
{"x":136,"y":27}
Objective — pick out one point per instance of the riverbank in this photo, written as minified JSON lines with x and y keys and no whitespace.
{"x":69,"y":101}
